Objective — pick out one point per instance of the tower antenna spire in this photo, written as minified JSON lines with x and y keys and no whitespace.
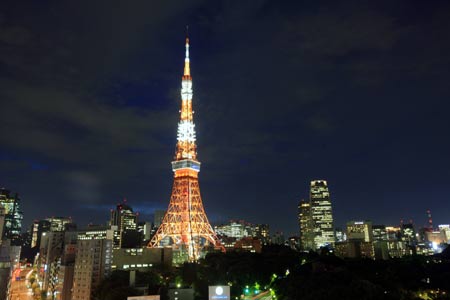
{"x":187,"y":67}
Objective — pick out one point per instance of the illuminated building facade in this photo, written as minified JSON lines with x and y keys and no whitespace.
{"x":235,"y":229}
{"x":2,"y":221}
{"x":341,"y":235}
{"x":126,"y":221}
{"x":278,"y":238}
{"x":305,"y":225}
{"x":360,"y":231}
{"x":185,"y":222}
{"x":379,"y":233}
{"x":262,"y":231}
{"x":141,"y":259}
{"x":60,"y":223}
{"x":355,"y":249}
{"x":248,"y":244}
{"x":13,"y":216}
{"x":321,"y":214}
{"x":92,"y":263}
{"x":53,"y":224}
{"x":408,"y":236}
{"x":445,"y":229}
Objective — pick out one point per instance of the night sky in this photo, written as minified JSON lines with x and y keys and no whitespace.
{"x":356,"y":93}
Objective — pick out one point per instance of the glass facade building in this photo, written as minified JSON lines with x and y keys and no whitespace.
{"x":13,"y":216}
{"x":321,"y":214}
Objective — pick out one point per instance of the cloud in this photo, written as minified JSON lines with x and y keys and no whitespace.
{"x":83,"y":187}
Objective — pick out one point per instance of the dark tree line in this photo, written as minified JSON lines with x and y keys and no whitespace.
{"x":293,"y":276}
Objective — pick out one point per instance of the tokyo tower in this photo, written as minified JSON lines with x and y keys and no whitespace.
{"x":185,"y":221}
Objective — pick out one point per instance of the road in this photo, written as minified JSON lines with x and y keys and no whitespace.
{"x":19,"y":290}
{"x":261,"y":296}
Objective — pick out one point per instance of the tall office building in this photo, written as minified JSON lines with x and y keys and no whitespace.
{"x":60,"y":223}
{"x":379,"y":233}
{"x":360,"y":231}
{"x":13,"y":216}
{"x":126,"y":221}
{"x":262,"y":231}
{"x":341,"y":235}
{"x":37,"y":228}
{"x":145,"y":230}
{"x":93,"y":260}
{"x":92,"y":263}
{"x":2,"y":221}
{"x":408,"y":236}
{"x":445,"y":229}
{"x":53,"y":224}
{"x":9,"y":259}
{"x":235,"y":229}
{"x":50,"y":250}
{"x":321,"y":214}
{"x":305,"y":225}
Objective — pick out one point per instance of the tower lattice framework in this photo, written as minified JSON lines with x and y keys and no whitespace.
{"x":185,"y":221}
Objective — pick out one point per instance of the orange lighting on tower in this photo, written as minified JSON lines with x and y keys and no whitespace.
{"x":185,"y":222}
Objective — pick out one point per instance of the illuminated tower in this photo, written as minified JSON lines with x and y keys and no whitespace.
{"x":185,"y":221}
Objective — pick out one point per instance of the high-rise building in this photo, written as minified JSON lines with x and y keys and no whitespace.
{"x":408,"y":236}
{"x":92,"y":262}
{"x":13,"y":216}
{"x":360,"y":231}
{"x":37,"y":228}
{"x":60,"y":223}
{"x":341,"y":235}
{"x":393,"y":233}
{"x":62,"y":280}
{"x":9,"y":259}
{"x":185,"y":222}
{"x":379,"y":233}
{"x":359,"y":241}
{"x":305,"y":225}
{"x":445,"y":229}
{"x":262,"y":232}
{"x":53,"y":224}
{"x":278,"y":238}
{"x":145,"y":230}
{"x":321,"y":214}
{"x":235,"y":229}
{"x":2,"y":221}
{"x":126,"y":221}
{"x":50,"y":250}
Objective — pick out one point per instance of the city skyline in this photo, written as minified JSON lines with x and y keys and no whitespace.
{"x":357,"y":99}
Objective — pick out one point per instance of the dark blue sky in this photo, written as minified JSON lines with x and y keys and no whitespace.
{"x":354,"y":92}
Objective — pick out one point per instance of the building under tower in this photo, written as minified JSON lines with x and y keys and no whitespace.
{"x":185,"y":222}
